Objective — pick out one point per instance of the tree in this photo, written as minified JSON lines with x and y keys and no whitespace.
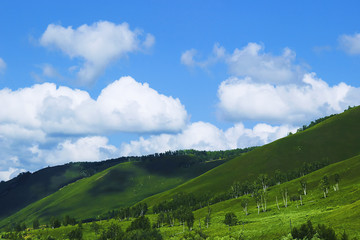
{"x":54,"y":222}
{"x":279,"y":177}
{"x":208,"y":217}
{"x":303,"y":184}
{"x":36,"y":224}
{"x":160,"y":219}
{"x":324,"y":185}
{"x":244,"y":204}
{"x":257,"y":197}
{"x":189,"y":218}
{"x":337,"y":180}
{"x":113,"y":232}
{"x":305,"y":231}
{"x":75,"y":234}
{"x":263,"y":196}
{"x":95,"y":227}
{"x":264,"y":181}
{"x":230,"y":219}
{"x":141,"y":222}
{"x":284,"y":194}
{"x":236,"y":189}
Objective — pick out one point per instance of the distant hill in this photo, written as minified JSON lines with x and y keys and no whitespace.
{"x":332,"y":141}
{"x":124,"y":182}
{"x":29,"y":187}
{"x":335,"y":139}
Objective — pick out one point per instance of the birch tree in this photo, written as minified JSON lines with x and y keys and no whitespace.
{"x":324,"y":185}
{"x":303,"y":184}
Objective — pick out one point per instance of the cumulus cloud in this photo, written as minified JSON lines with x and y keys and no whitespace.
{"x":241,"y":99}
{"x":97,"y":44}
{"x":86,"y":149}
{"x":124,"y":105}
{"x":253,"y":62}
{"x":350,"y":43}
{"x":47,"y":125}
{"x":2,"y":65}
{"x":205,"y":136}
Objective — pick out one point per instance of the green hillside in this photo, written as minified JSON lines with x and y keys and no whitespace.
{"x":333,"y":140}
{"x":30,"y":187}
{"x":340,"y":211}
{"x":118,"y":186}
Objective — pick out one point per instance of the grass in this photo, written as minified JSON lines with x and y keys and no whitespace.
{"x":122,"y":185}
{"x":332,"y":140}
{"x":340,"y":210}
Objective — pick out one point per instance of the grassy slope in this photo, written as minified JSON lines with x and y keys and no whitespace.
{"x":30,"y":187}
{"x":341,"y":210}
{"x":121,"y":185}
{"x":333,"y":140}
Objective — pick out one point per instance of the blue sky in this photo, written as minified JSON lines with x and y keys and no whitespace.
{"x":86,"y":81}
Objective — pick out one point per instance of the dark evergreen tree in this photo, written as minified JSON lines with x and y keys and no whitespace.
{"x":36,"y":224}
{"x":230,"y":219}
{"x":141,"y":222}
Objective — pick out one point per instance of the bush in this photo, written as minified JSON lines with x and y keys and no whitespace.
{"x":75,"y":234}
{"x":307,"y":231}
{"x":230,"y":219}
{"x":142,"y":223}
{"x":113,"y":232}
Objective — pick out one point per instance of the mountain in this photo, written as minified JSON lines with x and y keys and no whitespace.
{"x":333,"y":143}
{"x":123,"y":184}
{"x":340,"y":209}
{"x":29,"y":187}
{"x":335,"y":139}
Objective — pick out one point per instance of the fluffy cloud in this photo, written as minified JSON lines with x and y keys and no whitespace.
{"x":241,"y":99}
{"x":252,"y":61}
{"x":124,"y":105}
{"x":48,"y":125}
{"x":97,"y":45}
{"x":205,"y":136}
{"x":86,"y":149}
{"x":2,"y":65}
{"x":350,"y":43}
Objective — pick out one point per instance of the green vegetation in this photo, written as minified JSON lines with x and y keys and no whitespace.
{"x":304,"y":186}
{"x":122,"y":185}
{"x":330,"y":141}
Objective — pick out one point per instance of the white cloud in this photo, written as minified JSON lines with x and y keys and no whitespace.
{"x":252,"y":61}
{"x":149,"y":41}
{"x":10,"y":173}
{"x":205,"y":136}
{"x":124,"y":105}
{"x":350,"y":43}
{"x":2,"y":65}
{"x":48,"y":125}
{"x":241,"y":99}
{"x":86,"y":149}
{"x":97,"y":44}
{"x":49,"y":71}
{"x":188,"y":57}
